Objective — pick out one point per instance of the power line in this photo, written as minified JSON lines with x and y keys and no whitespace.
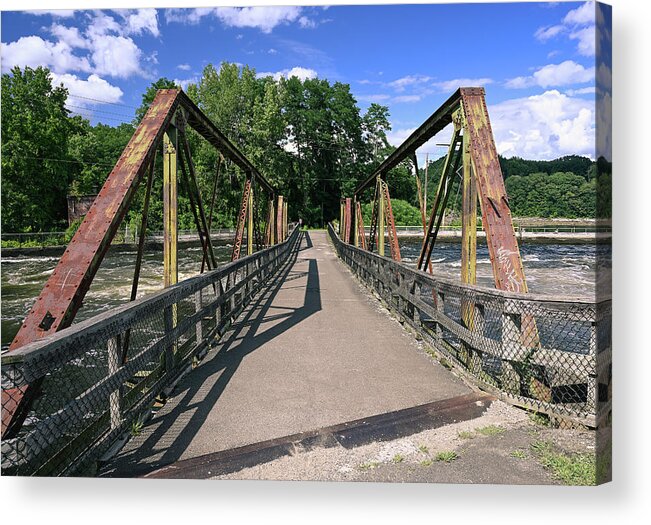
{"x":102,"y":101}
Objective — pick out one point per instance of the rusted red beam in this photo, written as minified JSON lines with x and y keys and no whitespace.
{"x":241,"y":220}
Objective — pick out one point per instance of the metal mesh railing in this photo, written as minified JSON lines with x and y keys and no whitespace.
{"x":99,"y":379}
{"x":550,"y":354}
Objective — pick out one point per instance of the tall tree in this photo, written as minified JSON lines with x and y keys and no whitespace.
{"x":36,"y":165}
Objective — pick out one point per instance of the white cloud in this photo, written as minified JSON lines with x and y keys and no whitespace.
{"x":140,"y":21}
{"x":544,"y":126}
{"x":186,"y":82}
{"x":69,"y":35}
{"x":56,"y":13}
{"x":306,"y":23}
{"x":301,"y":73}
{"x":116,"y":56}
{"x":584,"y":14}
{"x":579,"y":24}
{"x":93,"y":87}
{"x":553,"y":75}
{"x":372,"y":98}
{"x":184,"y":67}
{"x":452,"y":85}
{"x":545,"y":33}
{"x":264,"y":18}
{"x":410,"y":80}
{"x":587,"y":40}
{"x":33,"y":51}
{"x":582,"y":91}
{"x":406,"y":98}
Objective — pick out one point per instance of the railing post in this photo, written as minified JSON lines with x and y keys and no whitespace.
{"x":198,"y":305}
{"x":168,"y":322}
{"x":511,"y":351}
{"x":440,"y":309}
{"x":115,"y":398}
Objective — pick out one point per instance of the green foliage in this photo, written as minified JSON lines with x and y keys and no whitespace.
{"x":307,"y":137}
{"x":447,"y":456}
{"x":36,"y":130}
{"x":490,"y":430}
{"x":404,"y":213}
{"x":571,"y":469}
{"x":72,"y":229}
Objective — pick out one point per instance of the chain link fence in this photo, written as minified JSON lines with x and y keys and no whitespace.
{"x":550,"y":354}
{"x":97,"y":381}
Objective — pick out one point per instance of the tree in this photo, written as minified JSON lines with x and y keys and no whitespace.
{"x":36,"y":166}
{"x":149,"y":95}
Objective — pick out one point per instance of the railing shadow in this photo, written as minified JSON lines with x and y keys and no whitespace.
{"x":172,"y":433}
{"x":308,"y":241}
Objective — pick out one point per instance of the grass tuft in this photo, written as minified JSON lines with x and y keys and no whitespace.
{"x":398,"y":458}
{"x":490,"y":430}
{"x":447,"y":456}
{"x":571,"y":469}
{"x":465,"y":434}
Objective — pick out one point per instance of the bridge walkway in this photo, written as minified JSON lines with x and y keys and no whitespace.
{"x":314,"y":349}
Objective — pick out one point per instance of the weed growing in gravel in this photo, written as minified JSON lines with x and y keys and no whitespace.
{"x":574,"y":469}
{"x":539,"y":419}
{"x":423,"y":449}
{"x":464,"y":434}
{"x":369,"y":465}
{"x":446,"y":456}
{"x":520,"y":454}
{"x":426,"y":462}
{"x":398,"y":458}
{"x":490,"y":430}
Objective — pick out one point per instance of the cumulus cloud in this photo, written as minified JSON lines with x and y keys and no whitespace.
{"x":116,"y":56}
{"x":264,"y":18}
{"x":401,"y":84}
{"x":544,"y":126}
{"x":554,"y":75}
{"x":92,"y":87}
{"x":452,"y":85}
{"x":103,"y":46}
{"x":302,"y":73}
{"x":184,"y":67}
{"x":140,"y":21}
{"x":33,"y":51}
{"x":56,"y":13}
{"x":578,"y":24}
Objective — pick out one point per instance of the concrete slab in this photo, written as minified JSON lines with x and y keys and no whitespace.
{"x":313,"y":350}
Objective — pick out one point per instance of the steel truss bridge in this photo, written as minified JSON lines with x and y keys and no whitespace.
{"x":73,"y":394}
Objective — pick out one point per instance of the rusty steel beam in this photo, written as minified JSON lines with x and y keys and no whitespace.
{"x":496,"y":214}
{"x":347,"y":219}
{"x":241,"y":220}
{"x":361,"y":234}
{"x":391,"y":224}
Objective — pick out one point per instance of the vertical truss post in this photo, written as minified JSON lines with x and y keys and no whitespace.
{"x":170,"y":215}
{"x":285,"y":219}
{"x":279,"y":219}
{"x":468,"y":222}
{"x":249,"y":222}
{"x":241,"y":219}
{"x":170,"y":230}
{"x":391,"y":225}
{"x":356,"y":226}
{"x":347,"y":220}
{"x":380,"y":219}
{"x":359,"y":223}
{"x":269,"y":230}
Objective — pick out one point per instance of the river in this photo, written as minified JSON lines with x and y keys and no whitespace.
{"x":565,"y":269}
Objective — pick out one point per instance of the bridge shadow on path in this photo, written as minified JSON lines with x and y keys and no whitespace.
{"x":168,"y":435}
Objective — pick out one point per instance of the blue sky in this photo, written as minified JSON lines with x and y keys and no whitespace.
{"x":536,"y":60}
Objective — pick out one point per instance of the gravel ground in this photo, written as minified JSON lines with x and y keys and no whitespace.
{"x":480,"y":458}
